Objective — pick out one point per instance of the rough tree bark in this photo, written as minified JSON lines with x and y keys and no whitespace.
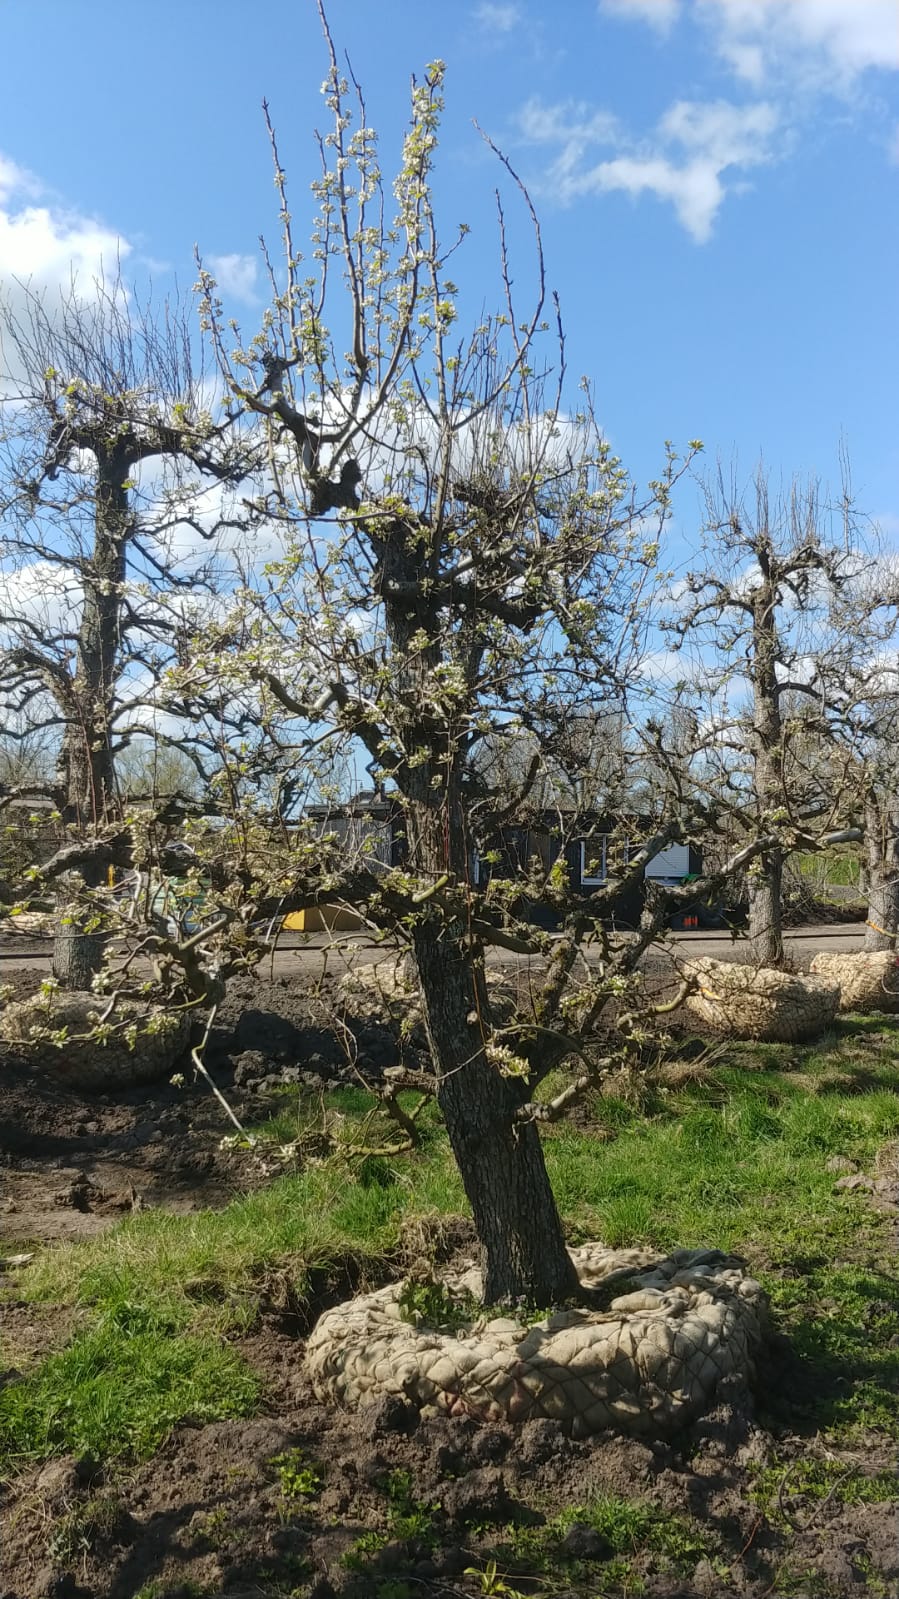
{"x":766,"y":875}
{"x":766,"y":909}
{"x":500,"y":1160}
{"x":882,"y":848}
{"x":78,"y":947}
{"x":88,"y":775}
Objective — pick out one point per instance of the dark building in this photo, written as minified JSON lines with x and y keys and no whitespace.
{"x":594,"y":847}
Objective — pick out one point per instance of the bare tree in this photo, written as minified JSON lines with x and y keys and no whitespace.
{"x":871,"y":733}
{"x":768,"y":604}
{"x":102,"y":414}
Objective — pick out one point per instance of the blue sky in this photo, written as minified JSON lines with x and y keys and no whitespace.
{"x":716,"y":181}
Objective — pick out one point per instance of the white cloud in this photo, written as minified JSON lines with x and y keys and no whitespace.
{"x":695,"y":190}
{"x":824,"y":43}
{"x":45,"y":244}
{"x":747,"y":60}
{"x":682,"y":162}
{"x":497,"y":18}
{"x":829,"y":40}
{"x":734,"y":135}
{"x":43,"y":593}
{"x":660,"y":13}
{"x":13,"y":179}
{"x":571,"y":122}
{"x":789,"y":52}
{"x":236,"y":276}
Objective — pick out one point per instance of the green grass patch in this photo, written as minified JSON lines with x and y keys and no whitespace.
{"x":208,"y":1266}
{"x":628,"y":1532}
{"x":120,"y":1387}
{"x":831,"y":867}
{"x":780,"y":1488}
{"x":736,"y":1161}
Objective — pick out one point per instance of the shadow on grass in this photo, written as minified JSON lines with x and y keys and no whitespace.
{"x":834,"y":1362}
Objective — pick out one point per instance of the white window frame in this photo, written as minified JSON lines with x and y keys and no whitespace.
{"x":594,"y":855}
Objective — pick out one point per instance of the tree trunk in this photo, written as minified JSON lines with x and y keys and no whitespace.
{"x":88,"y":766}
{"x":766,"y":873}
{"x":77,"y":954}
{"x":500,"y":1160}
{"x":766,"y":909}
{"x":882,"y":841}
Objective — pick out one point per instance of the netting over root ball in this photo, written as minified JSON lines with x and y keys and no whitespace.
{"x":138,"y":1044}
{"x":389,"y":988}
{"x":868,"y":980}
{"x":674,"y":1329}
{"x":759,"y":1002}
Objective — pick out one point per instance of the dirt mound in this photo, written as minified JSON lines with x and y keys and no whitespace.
{"x":72,"y":1160}
{"x":329,"y":1505}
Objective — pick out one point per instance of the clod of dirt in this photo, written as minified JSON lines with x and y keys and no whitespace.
{"x":79,"y":1193}
{"x":391,"y":1414}
{"x":481,"y":1496}
{"x":59,"y":1481}
{"x":50,"y":1583}
{"x":585,"y":1543}
{"x":490,"y":1445}
{"x":539,"y":1442}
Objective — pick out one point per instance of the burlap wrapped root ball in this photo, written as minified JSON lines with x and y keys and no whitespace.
{"x":759,"y":1002}
{"x":389,"y":989}
{"x":869,"y":980}
{"x":144,"y":1041}
{"x":647,"y":1365}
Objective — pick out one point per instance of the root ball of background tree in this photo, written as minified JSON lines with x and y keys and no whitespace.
{"x":759,"y":1002}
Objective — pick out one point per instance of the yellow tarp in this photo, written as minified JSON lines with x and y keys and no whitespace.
{"x":319,"y":919}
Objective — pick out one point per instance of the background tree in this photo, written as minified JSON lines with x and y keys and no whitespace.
{"x":871,"y":734}
{"x":768,"y":603}
{"x":97,"y":391}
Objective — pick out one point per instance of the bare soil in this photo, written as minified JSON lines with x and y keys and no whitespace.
{"x":214,"y":1512}
{"x":72,"y":1163}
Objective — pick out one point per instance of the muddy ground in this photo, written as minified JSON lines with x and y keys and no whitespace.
{"x":307,"y":1502}
{"x":71,"y":1163}
{"x":405,"y":1506}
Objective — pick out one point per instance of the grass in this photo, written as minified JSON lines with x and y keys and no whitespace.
{"x":736,"y":1161}
{"x":211,"y":1267}
{"x":778,"y":1488}
{"x":120,"y":1387}
{"x":628,"y":1529}
{"x":841,"y":868}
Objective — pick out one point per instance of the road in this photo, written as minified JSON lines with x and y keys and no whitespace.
{"x":293,"y":956}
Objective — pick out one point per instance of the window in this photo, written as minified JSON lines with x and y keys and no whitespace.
{"x":593,"y":860}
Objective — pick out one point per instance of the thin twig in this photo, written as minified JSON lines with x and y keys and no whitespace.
{"x":197,"y":1058}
